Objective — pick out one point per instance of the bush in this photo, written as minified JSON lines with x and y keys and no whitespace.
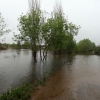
{"x":20,"y":93}
{"x":97,"y":50}
{"x":23,"y":92}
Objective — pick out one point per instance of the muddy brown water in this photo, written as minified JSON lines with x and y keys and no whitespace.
{"x":17,"y":67}
{"x":78,"y":79}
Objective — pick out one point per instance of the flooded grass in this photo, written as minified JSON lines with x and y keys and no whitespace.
{"x":22,"y":92}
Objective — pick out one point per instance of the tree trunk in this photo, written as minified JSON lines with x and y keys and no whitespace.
{"x":34,"y":55}
{"x":59,"y":52}
{"x":45,"y":53}
{"x":40,"y":53}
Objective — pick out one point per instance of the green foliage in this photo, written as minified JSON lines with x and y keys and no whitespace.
{"x":14,"y":46}
{"x":23,"y":92}
{"x":25,"y":45}
{"x":5,"y":44}
{"x":85,"y":46}
{"x":20,"y":93}
{"x":58,"y":33}
{"x":30,"y":24}
{"x":3,"y":26}
{"x":3,"y":30}
{"x":97,"y":50}
{"x":17,"y":39}
{"x":71,"y":44}
{"x":55,"y":35}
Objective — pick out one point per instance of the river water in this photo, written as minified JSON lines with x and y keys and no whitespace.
{"x":17,"y":67}
{"x":77,"y":76}
{"x":78,"y":79}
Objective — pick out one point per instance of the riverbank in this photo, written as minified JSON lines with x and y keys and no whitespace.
{"x":22,"y":92}
{"x":78,"y":80}
{"x":25,"y":92}
{"x":53,"y":89}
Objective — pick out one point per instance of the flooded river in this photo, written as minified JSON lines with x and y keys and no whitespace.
{"x":77,"y":76}
{"x":17,"y":67}
{"x":78,"y":79}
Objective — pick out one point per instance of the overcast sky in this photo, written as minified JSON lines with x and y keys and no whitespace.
{"x":85,"y":13}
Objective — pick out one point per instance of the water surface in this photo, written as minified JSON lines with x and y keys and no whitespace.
{"x":77,"y":76}
{"x":17,"y":67}
{"x":78,"y":79}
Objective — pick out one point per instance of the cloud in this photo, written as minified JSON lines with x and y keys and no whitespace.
{"x":81,"y":12}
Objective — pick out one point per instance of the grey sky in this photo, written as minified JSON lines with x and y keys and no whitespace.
{"x":85,"y":13}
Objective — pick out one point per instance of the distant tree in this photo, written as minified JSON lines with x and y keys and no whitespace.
{"x":85,"y":45}
{"x":26,"y":45}
{"x":97,"y":50}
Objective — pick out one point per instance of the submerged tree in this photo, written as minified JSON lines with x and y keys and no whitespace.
{"x":55,"y":31}
{"x":30,"y":25}
{"x":58,"y":32}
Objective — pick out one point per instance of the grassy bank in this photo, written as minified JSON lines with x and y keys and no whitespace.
{"x":23,"y":92}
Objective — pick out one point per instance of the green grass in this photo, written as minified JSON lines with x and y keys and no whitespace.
{"x":23,"y":92}
{"x":20,"y":93}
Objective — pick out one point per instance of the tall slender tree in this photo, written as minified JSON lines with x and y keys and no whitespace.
{"x":30,"y":25}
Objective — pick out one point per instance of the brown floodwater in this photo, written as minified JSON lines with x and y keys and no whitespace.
{"x":17,"y":67}
{"x":78,"y":79}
